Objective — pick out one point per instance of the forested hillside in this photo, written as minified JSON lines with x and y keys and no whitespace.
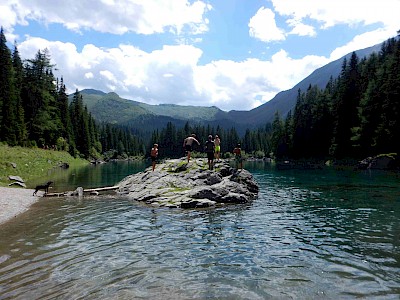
{"x":35,"y":111}
{"x":356,"y":115}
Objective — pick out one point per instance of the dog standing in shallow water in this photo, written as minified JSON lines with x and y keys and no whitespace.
{"x":44,"y":187}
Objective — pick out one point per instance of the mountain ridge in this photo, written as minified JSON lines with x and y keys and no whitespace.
{"x":110,"y":107}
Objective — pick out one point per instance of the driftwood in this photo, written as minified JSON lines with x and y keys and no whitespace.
{"x":102,"y":189}
{"x":93,"y":191}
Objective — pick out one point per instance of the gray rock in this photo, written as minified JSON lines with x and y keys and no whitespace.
{"x":78,"y":192}
{"x":234,"y":198}
{"x":16,"y":178}
{"x":176,"y":183}
{"x":18,"y":183}
{"x":379,"y":162}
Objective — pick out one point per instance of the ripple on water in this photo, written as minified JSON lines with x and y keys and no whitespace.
{"x":300,"y":239}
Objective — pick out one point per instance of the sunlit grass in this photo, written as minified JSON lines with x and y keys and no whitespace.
{"x":31,"y":162}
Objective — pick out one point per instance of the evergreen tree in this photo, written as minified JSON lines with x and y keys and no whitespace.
{"x":20,"y":130}
{"x":277,"y":137}
{"x":345,"y":109}
{"x":388,"y":131}
{"x":63,"y":111}
{"x":8,"y":100}
{"x":39,"y":100}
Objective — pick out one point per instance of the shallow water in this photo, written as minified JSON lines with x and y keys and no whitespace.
{"x":309,"y":235}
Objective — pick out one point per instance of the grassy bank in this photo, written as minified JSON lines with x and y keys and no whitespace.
{"x":31,"y":162}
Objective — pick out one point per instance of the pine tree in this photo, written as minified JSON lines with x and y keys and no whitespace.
{"x":39,"y":99}
{"x":346,"y":104}
{"x":20,"y":130}
{"x":277,"y":136}
{"x":388,"y":131}
{"x":8,"y":101}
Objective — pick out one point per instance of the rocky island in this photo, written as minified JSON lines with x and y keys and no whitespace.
{"x":177,"y":183}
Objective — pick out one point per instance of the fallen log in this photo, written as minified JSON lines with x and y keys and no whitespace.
{"x":102,"y":189}
{"x":93,"y":190}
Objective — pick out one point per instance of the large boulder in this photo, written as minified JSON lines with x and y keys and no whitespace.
{"x":177,"y":183}
{"x":379,"y":162}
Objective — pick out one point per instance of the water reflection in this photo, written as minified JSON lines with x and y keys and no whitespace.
{"x":310,"y":235}
{"x":90,"y":176}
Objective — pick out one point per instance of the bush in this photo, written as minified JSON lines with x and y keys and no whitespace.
{"x":227,"y":155}
{"x":259,"y":154}
{"x":62,"y":144}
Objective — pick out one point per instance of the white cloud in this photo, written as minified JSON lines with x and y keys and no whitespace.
{"x":362,"y":41}
{"x":247,"y":84}
{"x":117,"y":17}
{"x":331,"y":13}
{"x":173,"y":74}
{"x":301,"y":29}
{"x":303,"y":15}
{"x":263,"y":26}
{"x":109,"y":76}
{"x":89,"y":75}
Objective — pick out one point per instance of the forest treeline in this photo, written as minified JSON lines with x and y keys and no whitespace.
{"x":35,"y":111}
{"x":354,"y":116}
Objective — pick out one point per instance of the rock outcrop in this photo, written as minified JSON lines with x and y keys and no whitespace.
{"x":176,"y":183}
{"x":379,"y":162}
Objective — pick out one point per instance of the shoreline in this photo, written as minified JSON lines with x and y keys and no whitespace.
{"x":15,"y":201}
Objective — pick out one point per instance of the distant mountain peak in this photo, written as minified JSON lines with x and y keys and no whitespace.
{"x":92,"y":92}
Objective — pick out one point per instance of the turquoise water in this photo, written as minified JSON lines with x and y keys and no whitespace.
{"x":320,"y":234}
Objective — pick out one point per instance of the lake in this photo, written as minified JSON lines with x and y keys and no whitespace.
{"x":314,"y":234}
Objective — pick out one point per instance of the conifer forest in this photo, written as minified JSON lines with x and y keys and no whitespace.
{"x":356,"y":115}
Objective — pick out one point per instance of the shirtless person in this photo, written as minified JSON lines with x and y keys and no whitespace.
{"x":153,"y":155}
{"x":238,"y":156}
{"x":188,"y":143}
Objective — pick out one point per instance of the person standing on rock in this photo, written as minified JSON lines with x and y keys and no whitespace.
{"x":217,"y":142}
{"x":188,"y":143}
{"x":238,"y":156}
{"x":153,"y":155}
{"x":210,"y":149}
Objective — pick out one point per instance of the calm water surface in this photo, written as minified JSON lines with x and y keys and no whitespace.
{"x":310,"y":235}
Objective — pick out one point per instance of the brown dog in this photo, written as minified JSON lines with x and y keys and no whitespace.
{"x":44,"y":187}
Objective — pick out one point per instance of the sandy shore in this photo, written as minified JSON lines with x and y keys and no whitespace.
{"x":14,"y":201}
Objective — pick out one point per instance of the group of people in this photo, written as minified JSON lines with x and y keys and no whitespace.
{"x":212,"y":147}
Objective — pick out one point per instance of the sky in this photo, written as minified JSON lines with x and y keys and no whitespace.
{"x":232,"y":54}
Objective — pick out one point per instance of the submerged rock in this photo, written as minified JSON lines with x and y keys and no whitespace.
{"x":176,"y":183}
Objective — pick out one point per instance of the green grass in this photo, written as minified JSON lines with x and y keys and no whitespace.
{"x":31,"y":162}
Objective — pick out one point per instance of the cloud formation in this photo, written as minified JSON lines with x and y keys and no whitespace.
{"x":174,"y":72}
{"x":143,"y":17}
{"x":263,"y":26}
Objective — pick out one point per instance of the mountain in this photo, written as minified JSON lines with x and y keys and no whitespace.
{"x":286,"y":100}
{"x":109,"y":107}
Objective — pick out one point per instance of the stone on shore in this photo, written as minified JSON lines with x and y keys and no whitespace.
{"x":176,"y":183}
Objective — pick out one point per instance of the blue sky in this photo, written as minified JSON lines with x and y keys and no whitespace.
{"x":233,"y":54}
